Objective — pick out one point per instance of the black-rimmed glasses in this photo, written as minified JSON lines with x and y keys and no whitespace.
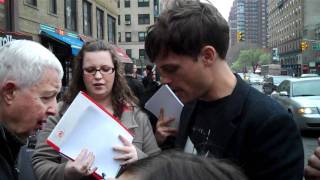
{"x":104,"y":70}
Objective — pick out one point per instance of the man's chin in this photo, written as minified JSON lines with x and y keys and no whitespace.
{"x":185,"y":99}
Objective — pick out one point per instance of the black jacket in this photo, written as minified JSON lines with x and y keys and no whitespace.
{"x":136,"y":87}
{"x":256,"y":133}
{"x":9,"y":151}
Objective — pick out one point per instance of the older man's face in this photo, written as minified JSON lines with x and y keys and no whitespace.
{"x":31,"y":106}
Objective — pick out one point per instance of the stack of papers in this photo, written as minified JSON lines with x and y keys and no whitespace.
{"x":166,"y":99}
{"x":87,"y":125}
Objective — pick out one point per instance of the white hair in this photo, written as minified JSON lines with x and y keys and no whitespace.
{"x":25,"y":61}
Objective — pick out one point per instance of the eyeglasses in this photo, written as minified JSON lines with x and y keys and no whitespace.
{"x":104,"y":70}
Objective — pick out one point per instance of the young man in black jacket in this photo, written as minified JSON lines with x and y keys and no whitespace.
{"x":30,"y":79}
{"x":223,"y":116}
{"x":135,"y":85}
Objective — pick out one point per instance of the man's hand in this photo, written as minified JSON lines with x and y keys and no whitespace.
{"x":81,"y":166}
{"x":312,"y":170}
{"x":163,"y":129}
{"x":128,"y":152}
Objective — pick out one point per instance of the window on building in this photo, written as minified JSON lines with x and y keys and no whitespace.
{"x":126,"y":3}
{"x":118,"y":2}
{"x":53,"y":6}
{"x":143,"y":18}
{"x":143,"y":3}
{"x":129,"y":52}
{"x":31,"y":2}
{"x":100,"y":24}
{"x":87,"y":18}
{"x":128,"y":36}
{"x":127,"y":19}
{"x":141,"y":54}
{"x":70,"y":14}
{"x":111,"y":29}
{"x":119,"y":36}
{"x":142,"y":36}
{"x":119,"y":20}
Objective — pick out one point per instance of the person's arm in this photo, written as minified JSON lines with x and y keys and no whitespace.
{"x":312,"y":170}
{"x":149,"y":143}
{"x":47,"y":163}
{"x":163,"y":129}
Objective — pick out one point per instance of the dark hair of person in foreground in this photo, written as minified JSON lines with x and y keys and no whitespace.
{"x":175,"y":165}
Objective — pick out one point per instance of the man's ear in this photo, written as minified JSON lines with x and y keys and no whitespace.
{"x":208,"y":55}
{"x":8,"y":91}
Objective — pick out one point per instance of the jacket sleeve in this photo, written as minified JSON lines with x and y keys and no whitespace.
{"x":149,"y":143}
{"x":277,"y":150}
{"x":45,"y":160}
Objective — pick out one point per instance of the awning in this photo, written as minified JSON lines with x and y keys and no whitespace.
{"x":124,"y":58}
{"x":71,"y":39}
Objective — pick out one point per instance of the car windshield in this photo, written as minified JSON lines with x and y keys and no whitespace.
{"x":306,"y":88}
{"x":277,"y":80}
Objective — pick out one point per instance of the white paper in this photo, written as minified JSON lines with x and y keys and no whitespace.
{"x":85,"y":125}
{"x":189,"y":147}
{"x":166,"y":99}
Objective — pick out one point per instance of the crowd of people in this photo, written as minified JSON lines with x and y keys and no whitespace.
{"x":229,"y":129}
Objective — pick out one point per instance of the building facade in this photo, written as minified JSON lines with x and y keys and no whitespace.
{"x":63,"y":25}
{"x":248,"y":17}
{"x":311,"y":37}
{"x":93,"y":18}
{"x":3,"y":16}
{"x":134,"y":19}
{"x":8,"y":25}
{"x":293,"y":23}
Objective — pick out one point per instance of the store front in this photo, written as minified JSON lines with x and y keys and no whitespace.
{"x":6,"y":37}
{"x":64,"y":45}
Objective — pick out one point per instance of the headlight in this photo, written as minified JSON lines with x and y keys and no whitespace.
{"x":307,"y":110}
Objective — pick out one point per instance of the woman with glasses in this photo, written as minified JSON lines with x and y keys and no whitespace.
{"x":97,"y":72}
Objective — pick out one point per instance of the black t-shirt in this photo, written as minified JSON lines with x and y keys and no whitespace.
{"x":206,"y":119}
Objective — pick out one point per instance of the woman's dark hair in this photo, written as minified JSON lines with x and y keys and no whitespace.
{"x":121,"y":93}
{"x":173,"y":165}
{"x":185,"y":28}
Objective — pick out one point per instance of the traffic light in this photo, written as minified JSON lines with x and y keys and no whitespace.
{"x":304,"y":45}
{"x":240,"y":36}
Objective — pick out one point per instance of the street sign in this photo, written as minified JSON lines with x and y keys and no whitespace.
{"x":316,"y":46}
{"x":275,"y":54}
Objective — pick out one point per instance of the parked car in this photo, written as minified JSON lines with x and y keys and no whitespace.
{"x":301,"y":98}
{"x":255,"y":79}
{"x":309,"y":75}
{"x":270,"y":83}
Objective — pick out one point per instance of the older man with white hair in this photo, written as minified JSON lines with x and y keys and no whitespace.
{"x":30,"y":79}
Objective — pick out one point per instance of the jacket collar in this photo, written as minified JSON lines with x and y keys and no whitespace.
{"x":225,"y":128}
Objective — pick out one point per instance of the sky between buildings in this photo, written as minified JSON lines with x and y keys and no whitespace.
{"x":223,"y":6}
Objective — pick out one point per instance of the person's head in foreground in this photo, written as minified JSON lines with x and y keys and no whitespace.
{"x":189,"y":44}
{"x":30,"y":79}
{"x":174,"y":165}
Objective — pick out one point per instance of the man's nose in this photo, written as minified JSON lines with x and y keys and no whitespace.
{"x":52,"y":108}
